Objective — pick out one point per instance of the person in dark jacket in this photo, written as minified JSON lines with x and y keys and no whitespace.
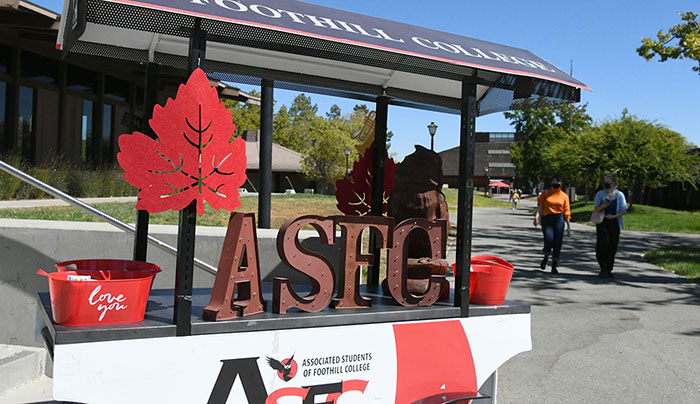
{"x":613,"y":204}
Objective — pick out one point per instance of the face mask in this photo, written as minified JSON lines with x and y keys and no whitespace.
{"x":606,"y":185}
{"x":556,"y":185}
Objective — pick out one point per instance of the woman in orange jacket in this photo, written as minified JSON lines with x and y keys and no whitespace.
{"x":553,"y":211}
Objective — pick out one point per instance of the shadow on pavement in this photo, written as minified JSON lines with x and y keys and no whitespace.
{"x":522,"y":246}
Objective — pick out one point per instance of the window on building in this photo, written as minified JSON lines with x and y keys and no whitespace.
{"x":3,"y":97}
{"x":106,"y":140}
{"x":86,"y":132}
{"x":499,"y":151}
{"x":80,"y":79}
{"x":501,"y":137}
{"x":501,"y":165}
{"x":117,"y":90}
{"x":39,"y":68}
{"x":25,"y":123}
{"x":5,"y":55}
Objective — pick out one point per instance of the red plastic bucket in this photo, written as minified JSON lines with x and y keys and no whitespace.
{"x":492,"y":277}
{"x":134,"y":268}
{"x":472,"y":279}
{"x":117,"y":291}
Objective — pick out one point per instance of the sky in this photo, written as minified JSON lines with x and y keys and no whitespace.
{"x":599,"y":36}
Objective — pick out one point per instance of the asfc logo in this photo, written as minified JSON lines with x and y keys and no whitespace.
{"x":286,"y":369}
{"x":247,"y":371}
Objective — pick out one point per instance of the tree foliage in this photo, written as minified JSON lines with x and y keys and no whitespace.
{"x":245,"y":116}
{"x":682,"y":41}
{"x":321,"y":140}
{"x":643,"y":154}
{"x":646,"y":154}
{"x":324,"y":159}
{"x":544,"y":123}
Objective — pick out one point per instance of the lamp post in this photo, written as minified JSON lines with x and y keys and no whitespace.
{"x":347,"y":161}
{"x":432,"y":128}
{"x":486,"y":177}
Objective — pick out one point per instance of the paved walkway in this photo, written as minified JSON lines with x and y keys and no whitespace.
{"x":632,"y":339}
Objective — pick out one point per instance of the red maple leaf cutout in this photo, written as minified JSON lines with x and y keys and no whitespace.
{"x":355,"y":197}
{"x":193,"y":158}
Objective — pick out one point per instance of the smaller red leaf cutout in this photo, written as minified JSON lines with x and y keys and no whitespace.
{"x":193,"y":158}
{"x":354,"y":194}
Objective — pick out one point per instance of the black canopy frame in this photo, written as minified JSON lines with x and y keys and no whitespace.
{"x":126,"y":17}
{"x":175,"y":33}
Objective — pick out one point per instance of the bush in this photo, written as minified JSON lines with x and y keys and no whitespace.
{"x":9,"y":184}
{"x":74,"y":181}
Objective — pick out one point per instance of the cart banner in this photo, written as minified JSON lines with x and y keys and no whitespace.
{"x":336,"y":25}
{"x":370,"y":363}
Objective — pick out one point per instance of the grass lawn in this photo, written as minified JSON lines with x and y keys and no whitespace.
{"x":480,"y":201}
{"x":681,"y":260}
{"x":646,"y":218}
{"x":283,"y":207}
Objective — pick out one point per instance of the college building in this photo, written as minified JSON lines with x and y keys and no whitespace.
{"x":491,"y":160}
{"x":76,"y":108}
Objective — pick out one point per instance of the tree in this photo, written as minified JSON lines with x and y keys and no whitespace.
{"x":245,"y":116}
{"x":643,"y":155}
{"x":324,"y":159}
{"x":291,"y":125}
{"x":302,"y":110}
{"x":334,"y":112}
{"x":682,"y":41}
{"x":321,"y":141}
{"x":544,"y":123}
{"x":282,"y":131}
{"x":579,"y":158}
{"x":649,"y":155}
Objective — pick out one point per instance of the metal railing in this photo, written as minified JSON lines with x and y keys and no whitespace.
{"x":96,"y":212}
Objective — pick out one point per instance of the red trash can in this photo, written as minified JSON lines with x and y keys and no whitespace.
{"x":492,"y":277}
{"x":94,"y":292}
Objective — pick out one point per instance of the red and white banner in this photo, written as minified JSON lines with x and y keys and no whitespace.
{"x":372,"y":363}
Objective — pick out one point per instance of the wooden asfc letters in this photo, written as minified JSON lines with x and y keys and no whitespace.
{"x":238,"y":272}
{"x":237,"y":288}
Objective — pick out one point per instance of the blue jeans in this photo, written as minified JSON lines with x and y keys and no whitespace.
{"x":553,"y":231}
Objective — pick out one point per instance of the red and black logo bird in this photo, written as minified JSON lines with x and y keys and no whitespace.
{"x":286,"y":369}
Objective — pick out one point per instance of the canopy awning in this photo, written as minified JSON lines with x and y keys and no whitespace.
{"x":307,"y":47}
{"x":499,"y":184}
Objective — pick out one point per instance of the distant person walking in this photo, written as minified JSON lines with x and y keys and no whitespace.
{"x":553,"y":211}
{"x":515,"y":198}
{"x":612,"y":203}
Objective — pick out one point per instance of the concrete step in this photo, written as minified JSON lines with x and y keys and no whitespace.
{"x":20,"y":365}
{"x":37,"y":391}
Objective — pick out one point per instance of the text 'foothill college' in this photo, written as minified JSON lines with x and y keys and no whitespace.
{"x":378,"y":33}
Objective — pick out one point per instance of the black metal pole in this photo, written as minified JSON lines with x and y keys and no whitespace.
{"x":150,"y":98}
{"x":62,"y":84}
{"x":431,"y":142}
{"x":347,"y":164}
{"x":97,"y":123}
{"x":379,"y":158}
{"x":12,"y":105}
{"x":265,"y":192}
{"x":465,"y":199}
{"x":184,"y":270}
